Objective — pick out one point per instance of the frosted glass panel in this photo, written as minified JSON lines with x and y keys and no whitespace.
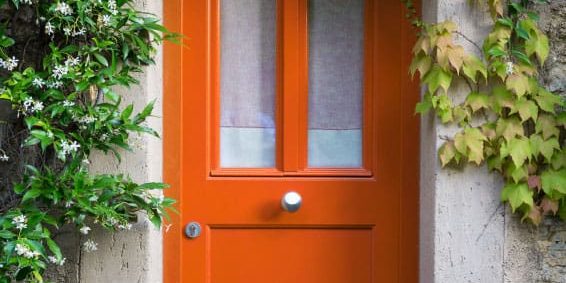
{"x":247,"y":83}
{"x":336,"y":63}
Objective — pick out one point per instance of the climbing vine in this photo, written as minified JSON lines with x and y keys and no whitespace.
{"x":60,"y":61}
{"x":508,"y":120}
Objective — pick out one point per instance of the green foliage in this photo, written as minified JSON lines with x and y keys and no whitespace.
{"x":508,"y":120}
{"x":70,"y":110}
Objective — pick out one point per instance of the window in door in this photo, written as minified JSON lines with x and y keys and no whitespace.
{"x":292,"y":88}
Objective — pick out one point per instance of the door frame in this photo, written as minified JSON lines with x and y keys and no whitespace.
{"x":173,"y":139}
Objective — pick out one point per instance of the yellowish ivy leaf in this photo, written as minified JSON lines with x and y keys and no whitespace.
{"x":488,"y":130}
{"x":548,"y":101}
{"x":518,"y":174}
{"x":474,"y":140}
{"x":546,"y":124}
{"x":502,"y":98}
{"x":509,"y":128}
{"x":437,"y":77}
{"x":559,"y":160}
{"x":447,"y":153}
{"x":477,"y":101}
{"x":517,"y":82}
{"x":527,"y":109}
{"x":495,"y":163}
{"x":538,"y":44}
{"x":422,"y":44}
{"x":456,"y":57}
{"x":471,"y":66}
{"x":548,"y":147}
{"x":518,"y":148}
{"x":554,"y":182}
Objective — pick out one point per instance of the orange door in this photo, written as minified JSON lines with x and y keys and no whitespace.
{"x":358,"y":217}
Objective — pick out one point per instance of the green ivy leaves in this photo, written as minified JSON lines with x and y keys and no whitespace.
{"x":508,"y":119}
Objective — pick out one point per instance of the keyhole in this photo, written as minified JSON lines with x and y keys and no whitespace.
{"x":192,"y":230}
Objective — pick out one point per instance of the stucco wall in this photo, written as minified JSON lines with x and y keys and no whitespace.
{"x":466,"y":234}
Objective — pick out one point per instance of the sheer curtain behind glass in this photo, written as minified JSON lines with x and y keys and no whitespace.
{"x":247,"y":83}
{"x":336,"y":63}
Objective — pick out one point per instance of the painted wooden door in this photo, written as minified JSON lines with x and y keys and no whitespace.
{"x":358,"y":216}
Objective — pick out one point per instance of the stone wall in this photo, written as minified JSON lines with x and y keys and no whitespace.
{"x":539,"y":254}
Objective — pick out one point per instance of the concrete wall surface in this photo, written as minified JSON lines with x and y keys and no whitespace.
{"x":469,"y":235}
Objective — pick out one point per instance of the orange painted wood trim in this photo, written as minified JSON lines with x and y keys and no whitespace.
{"x":409,"y":253}
{"x":172,"y":145}
{"x":291,"y":85}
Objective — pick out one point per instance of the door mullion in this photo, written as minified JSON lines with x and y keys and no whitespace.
{"x":294,"y":86}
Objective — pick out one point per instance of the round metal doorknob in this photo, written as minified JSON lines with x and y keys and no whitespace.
{"x":291,"y":201}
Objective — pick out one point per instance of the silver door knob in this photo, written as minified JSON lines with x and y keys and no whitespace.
{"x":291,"y":202}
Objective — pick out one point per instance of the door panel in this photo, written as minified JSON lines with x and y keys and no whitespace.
{"x":299,"y":255}
{"x":349,"y":227}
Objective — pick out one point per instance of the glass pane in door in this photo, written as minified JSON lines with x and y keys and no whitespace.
{"x":336,"y":63}
{"x":247,"y":83}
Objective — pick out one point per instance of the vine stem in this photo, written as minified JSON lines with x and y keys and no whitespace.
{"x":469,"y":40}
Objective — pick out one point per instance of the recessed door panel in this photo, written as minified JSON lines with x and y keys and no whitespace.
{"x":308,"y":255}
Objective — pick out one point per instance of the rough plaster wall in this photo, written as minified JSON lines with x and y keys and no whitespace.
{"x":539,"y":254}
{"x":469,"y":236}
{"x":463,"y":238}
{"x":125,"y":256}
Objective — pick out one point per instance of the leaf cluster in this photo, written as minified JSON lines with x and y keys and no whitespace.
{"x":508,"y":120}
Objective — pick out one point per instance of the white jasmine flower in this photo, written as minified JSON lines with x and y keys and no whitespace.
{"x":67,"y":31}
{"x":509,"y":68}
{"x":68,"y":103}
{"x":68,"y":204}
{"x":81,"y":31}
{"x":87,"y":119}
{"x":49,"y":28}
{"x":4,"y":157}
{"x":64,"y":9}
{"x":105,"y":20}
{"x":37,"y":106}
{"x":84,"y":230}
{"x":55,"y":84}
{"x":38,"y":82}
{"x":112,"y":5}
{"x":27,"y":2}
{"x":72,"y":61}
{"x":90,"y":246}
{"x":20,"y":222}
{"x":10,"y":64}
{"x":59,"y":71}
{"x":104,"y":137}
{"x":69,"y":147}
{"x":28,"y":102}
{"x":54,"y":260}
{"x":21,"y":249}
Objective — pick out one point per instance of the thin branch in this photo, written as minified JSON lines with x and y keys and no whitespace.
{"x":469,"y":40}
